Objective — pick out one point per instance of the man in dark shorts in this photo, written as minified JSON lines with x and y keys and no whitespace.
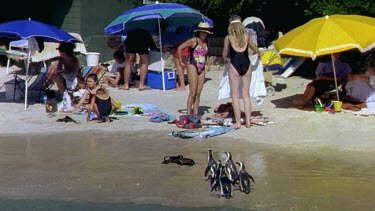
{"x":138,"y":41}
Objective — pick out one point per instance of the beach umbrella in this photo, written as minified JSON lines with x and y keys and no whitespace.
{"x":149,"y":17}
{"x":29,"y":30}
{"x":328,"y":35}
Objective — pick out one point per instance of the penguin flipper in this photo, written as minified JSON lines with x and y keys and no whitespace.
{"x":206,"y":171}
{"x":252,"y":179}
{"x":214,"y":186}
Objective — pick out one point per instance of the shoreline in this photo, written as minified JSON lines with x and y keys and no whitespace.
{"x":293,"y":127}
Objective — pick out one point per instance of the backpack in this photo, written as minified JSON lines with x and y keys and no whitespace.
{"x":189,"y":121}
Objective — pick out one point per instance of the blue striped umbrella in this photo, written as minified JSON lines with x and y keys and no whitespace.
{"x":147,"y":17}
{"x":29,"y":29}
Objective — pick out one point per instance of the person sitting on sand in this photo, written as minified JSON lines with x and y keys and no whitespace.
{"x":118,"y":79}
{"x":324,"y":80}
{"x":102,"y":105}
{"x":67,"y":68}
{"x":91,"y":87}
{"x":362,"y":86}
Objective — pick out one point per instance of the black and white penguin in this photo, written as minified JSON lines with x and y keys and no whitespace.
{"x":225,"y":185}
{"x":211,"y":165}
{"x":231,"y":168}
{"x":216,"y":179}
{"x":244,"y":178}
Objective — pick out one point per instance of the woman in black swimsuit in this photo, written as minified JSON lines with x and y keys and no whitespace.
{"x":239,"y":46}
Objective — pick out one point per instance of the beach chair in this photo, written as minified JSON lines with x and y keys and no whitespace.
{"x":99,"y":70}
{"x":44,"y":80}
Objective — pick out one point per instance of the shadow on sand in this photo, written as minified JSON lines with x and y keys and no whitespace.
{"x":286,"y":103}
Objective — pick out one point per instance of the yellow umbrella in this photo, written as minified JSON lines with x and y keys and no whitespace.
{"x":327,"y":35}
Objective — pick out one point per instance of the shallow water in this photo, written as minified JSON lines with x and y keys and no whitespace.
{"x":117,"y":171}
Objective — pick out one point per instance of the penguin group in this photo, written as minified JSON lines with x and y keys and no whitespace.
{"x":224,"y":175}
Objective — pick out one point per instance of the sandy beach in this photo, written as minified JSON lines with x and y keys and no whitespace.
{"x":292,"y":128}
{"x":306,"y":160}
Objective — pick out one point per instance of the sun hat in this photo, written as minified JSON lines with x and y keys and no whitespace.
{"x":203,"y":27}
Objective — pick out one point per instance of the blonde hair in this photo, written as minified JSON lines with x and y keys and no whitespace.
{"x":237,"y":34}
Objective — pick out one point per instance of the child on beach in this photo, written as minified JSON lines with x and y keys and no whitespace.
{"x":102,"y":105}
{"x":88,"y":98}
{"x":119,"y":58}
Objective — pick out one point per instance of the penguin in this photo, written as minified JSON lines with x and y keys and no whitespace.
{"x":225,"y":185}
{"x":211,"y":165}
{"x":216,"y":178}
{"x":244,"y":178}
{"x":231,"y":168}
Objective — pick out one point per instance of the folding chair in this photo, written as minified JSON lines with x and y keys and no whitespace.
{"x":44,"y":80}
{"x":99,"y":70}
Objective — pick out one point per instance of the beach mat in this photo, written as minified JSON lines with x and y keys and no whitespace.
{"x":201,"y":133}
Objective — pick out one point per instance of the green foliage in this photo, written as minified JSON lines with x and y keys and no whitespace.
{"x":318,"y":8}
{"x":277,"y":15}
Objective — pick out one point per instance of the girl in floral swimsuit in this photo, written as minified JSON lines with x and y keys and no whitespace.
{"x":196,"y":65}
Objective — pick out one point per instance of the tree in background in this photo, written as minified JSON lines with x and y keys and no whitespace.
{"x":277,"y":15}
{"x":318,"y":8}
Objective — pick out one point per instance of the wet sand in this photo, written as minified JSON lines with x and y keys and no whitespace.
{"x":120,"y":170}
{"x":306,"y":160}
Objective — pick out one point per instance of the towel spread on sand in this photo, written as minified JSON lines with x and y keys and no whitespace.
{"x":362,"y":112}
{"x":201,"y":133}
{"x":139,"y":110}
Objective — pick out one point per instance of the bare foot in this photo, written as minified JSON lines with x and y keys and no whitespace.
{"x":248,"y":125}
{"x":123,"y":87}
{"x":144,"y":88}
{"x":180,"y":89}
{"x":236,"y":126}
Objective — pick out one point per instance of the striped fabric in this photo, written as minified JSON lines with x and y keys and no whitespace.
{"x":98,"y":70}
{"x":44,"y":80}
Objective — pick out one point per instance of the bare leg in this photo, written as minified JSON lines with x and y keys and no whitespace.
{"x":109,"y":81}
{"x":234,"y":82}
{"x":246,"y":79}
{"x":61,"y":85}
{"x":200,"y":84}
{"x":180,"y":73}
{"x":192,"y":77}
{"x":143,"y":70}
{"x":305,"y":97}
{"x":129,"y":61}
{"x":60,"y":82}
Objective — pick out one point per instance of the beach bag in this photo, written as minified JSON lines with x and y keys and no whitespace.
{"x":66,"y":104}
{"x":189,"y":121}
{"x":224,"y":110}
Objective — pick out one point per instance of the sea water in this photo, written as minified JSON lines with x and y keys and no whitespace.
{"x":123,"y":171}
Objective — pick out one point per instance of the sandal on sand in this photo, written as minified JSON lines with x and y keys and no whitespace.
{"x":171,"y":159}
{"x":186,"y":161}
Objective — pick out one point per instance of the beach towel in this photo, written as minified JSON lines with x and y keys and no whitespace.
{"x":362,"y":112}
{"x":161,"y":116}
{"x":142,"y":110}
{"x":257,"y":85}
{"x":201,"y":133}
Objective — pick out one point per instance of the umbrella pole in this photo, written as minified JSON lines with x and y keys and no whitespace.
{"x":161,"y":56}
{"x":335,"y":78}
{"x":27,"y":76}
